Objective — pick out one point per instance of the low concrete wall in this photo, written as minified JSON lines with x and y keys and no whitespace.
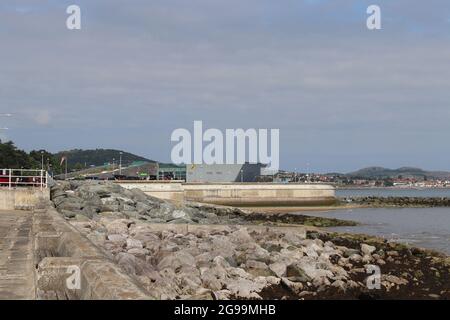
{"x":240,"y":194}
{"x":22,"y":198}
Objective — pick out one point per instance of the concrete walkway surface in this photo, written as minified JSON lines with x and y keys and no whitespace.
{"x":16,"y":255}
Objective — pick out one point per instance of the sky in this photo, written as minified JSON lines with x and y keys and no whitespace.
{"x":342,"y":96}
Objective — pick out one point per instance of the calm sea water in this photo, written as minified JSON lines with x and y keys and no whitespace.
{"x":393,"y":192}
{"x":420,"y":227}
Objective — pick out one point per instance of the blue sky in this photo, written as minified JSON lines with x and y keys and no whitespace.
{"x":342,"y":96}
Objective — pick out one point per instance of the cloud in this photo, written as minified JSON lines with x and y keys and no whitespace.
{"x":43,"y":118}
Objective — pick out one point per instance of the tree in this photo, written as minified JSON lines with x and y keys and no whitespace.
{"x":78,"y":166}
{"x":12,"y":158}
{"x":388,"y":182}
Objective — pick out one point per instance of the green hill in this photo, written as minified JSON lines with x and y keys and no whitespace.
{"x":380,"y":172}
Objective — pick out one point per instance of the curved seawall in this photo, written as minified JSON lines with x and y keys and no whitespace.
{"x":240,"y":194}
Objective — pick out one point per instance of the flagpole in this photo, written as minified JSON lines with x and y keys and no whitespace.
{"x":64,"y":159}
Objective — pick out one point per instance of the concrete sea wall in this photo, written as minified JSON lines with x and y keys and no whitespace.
{"x":260,"y":194}
{"x":240,"y":194}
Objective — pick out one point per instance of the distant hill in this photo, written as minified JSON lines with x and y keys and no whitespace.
{"x":98,"y":157}
{"x":406,"y":172}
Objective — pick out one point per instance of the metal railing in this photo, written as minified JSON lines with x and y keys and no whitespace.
{"x":13,"y":178}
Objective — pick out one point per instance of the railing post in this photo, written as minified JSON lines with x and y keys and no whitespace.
{"x":9,"y":179}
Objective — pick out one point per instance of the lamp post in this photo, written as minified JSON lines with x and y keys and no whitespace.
{"x":42,"y":160}
{"x":307,"y":172}
{"x":120,"y":163}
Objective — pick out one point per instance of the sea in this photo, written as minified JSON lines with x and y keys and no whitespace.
{"x":420,"y":227}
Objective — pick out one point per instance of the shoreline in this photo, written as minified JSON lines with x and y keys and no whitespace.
{"x":343,"y":203}
{"x":375,"y":203}
{"x":205,"y":251}
{"x":274,"y":210}
{"x":395,"y":202}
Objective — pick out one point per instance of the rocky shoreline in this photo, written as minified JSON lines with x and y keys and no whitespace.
{"x":196,"y":251}
{"x":406,"y":202}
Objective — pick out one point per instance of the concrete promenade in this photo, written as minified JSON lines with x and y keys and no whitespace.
{"x":17,"y":279}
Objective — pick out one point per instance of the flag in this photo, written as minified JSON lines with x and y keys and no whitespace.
{"x":64,"y":158}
